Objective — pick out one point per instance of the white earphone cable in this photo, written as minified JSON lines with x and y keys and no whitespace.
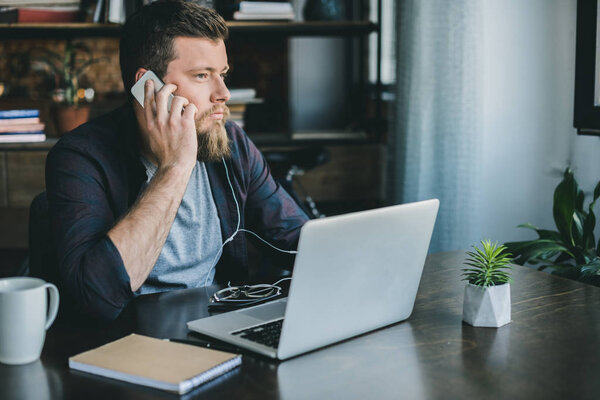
{"x":237,"y":229}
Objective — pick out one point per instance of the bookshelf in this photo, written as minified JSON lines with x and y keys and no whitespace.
{"x":355,"y":172}
{"x":282,"y":29}
{"x":279,"y":32}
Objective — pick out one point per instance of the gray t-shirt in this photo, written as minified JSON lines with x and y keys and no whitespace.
{"x":194,"y":239}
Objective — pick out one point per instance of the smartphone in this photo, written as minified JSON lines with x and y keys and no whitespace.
{"x":137,"y":90}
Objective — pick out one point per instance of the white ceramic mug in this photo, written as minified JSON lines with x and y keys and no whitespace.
{"x":25,"y":317}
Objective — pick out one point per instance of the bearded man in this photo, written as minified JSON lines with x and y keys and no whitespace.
{"x":150,"y":199}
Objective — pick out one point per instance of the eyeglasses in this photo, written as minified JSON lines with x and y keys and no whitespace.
{"x":245,"y":295}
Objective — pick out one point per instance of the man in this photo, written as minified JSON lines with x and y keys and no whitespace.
{"x":142,"y":199}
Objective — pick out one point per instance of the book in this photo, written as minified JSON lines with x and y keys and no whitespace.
{"x":237,"y":94}
{"x":21,"y":128}
{"x":264,"y":10}
{"x":325,"y":135}
{"x":48,"y":14}
{"x":22,"y":137}
{"x":236,"y":107}
{"x":170,"y":366}
{"x":240,"y":16}
{"x":116,"y":11}
{"x":99,"y":11}
{"x":244,"y":101}
{"x":10,"y":114}
{"x":9,"y":14}
{"x":38,"y":3}
{"x":265,"y":7}
{"x":236,"y":115}
{"x":19,"y":121}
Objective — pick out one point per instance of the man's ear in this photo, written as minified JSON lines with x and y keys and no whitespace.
{"x":139,"y":73}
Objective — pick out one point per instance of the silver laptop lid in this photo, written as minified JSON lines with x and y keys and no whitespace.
{"x":355,"y":273}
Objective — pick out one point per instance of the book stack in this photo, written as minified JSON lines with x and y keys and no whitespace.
{"x":238,"y":102}
{"x":18,"y":126}
{"x":264,"y":10}
{"x":34,"y":11}
{"x":115,"y":11}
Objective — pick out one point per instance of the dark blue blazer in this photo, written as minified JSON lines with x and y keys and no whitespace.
{"x":93,"y":177}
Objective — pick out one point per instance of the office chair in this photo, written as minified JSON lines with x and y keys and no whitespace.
{"x":287,"y":164}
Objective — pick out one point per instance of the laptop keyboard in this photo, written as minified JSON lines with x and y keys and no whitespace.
{"x":266,"y":334}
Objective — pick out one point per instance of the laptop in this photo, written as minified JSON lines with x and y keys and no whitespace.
{"x":353,"y":273}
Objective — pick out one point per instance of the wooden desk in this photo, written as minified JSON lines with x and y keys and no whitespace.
{"x":549,"y":351}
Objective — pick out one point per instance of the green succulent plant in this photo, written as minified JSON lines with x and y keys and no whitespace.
{"x":488,"y":266}
{"x":570,"y":251}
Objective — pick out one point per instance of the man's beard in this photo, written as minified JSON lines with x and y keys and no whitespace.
{"x":213,"y":144}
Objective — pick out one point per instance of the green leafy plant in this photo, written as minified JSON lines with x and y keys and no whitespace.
{"x":570,"y":251}
{"x":65,"y":70}
{"x":489,"y":266}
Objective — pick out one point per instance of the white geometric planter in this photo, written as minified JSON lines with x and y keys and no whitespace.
{"x":489,"y":307}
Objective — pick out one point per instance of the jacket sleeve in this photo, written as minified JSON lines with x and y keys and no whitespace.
{"x":90,"y":266}
{"x":269,"y":207}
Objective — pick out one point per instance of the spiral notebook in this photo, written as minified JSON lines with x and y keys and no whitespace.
{"x":157,"y":363}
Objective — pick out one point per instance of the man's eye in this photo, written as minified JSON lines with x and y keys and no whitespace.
{"x":224,"y":76}
{"x":202,"y":76}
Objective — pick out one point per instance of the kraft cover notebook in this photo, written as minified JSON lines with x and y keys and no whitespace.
{"x":157,"y":363}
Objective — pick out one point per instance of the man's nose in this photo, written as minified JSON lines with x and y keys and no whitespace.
{"x":220,"y":93}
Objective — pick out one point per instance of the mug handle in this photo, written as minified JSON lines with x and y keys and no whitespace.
{"x":53,"y":309}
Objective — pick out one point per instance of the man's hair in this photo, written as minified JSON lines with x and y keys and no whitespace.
{"x":147,"y":37}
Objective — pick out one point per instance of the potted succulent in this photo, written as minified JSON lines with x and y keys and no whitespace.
{"x":487,"y":293}
{"x":571,"y":250}
{"x":70,"y":101}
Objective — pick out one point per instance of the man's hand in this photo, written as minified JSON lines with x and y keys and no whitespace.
{"x":169,"y":136}
{"x":168,"y":140}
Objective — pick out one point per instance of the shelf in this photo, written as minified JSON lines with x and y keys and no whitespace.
{"x":282,"y":29}
{"x":58,"y":31}
{"x":261,"y":140}
{"x":29,"y":146}
{"x":301,"y":139}
{"x":341,"y":28}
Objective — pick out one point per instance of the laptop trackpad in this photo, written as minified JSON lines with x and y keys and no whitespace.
{"x":268,"y":311}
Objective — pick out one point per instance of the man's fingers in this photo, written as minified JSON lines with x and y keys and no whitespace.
{"x":190,"y":111}
{"x":177,"y":105}
{"x":162,"y":98}
{"x":149,"y":99}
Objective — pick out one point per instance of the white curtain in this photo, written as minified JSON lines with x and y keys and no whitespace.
{"x":435,"y":141}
